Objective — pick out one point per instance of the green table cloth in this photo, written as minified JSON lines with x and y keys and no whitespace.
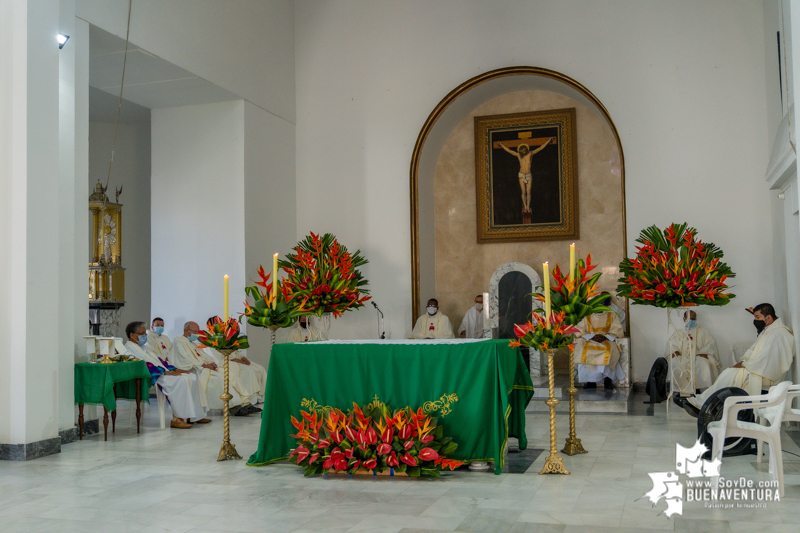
{"x":94,"y":382}
{"x":477,"y":390}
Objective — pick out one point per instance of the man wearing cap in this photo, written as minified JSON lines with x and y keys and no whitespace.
{"x":765,"y":364}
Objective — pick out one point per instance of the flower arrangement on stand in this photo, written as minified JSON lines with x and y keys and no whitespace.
{"x":223,"y":335}
{"x":402,"y":440}
{"x":674,"y":269}
{"x":270,"y":308}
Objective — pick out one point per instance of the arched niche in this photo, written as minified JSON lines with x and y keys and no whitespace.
{"x":450,"y":111}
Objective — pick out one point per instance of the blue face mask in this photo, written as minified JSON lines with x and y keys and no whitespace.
{"x":158,"y":330}
{"x":691,"y":324}
{"x":193,"y":337}
{"x":142,"y":340}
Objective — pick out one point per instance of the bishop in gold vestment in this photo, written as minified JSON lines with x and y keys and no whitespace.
{"x":596,"y":353}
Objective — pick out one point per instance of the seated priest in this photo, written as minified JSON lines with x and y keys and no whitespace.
{"x":179,"y":386}
{"x":158,"y":343}
{"x":252,"y":376}
{"x":433,"y":325}
{"x":765,"y":364}
{"x":472,"y":325}
{"x":693,"y":339}
{"x":300,"y":331}
{"x":620,"y":312}
{"x":596,"y":352}
{"x":186,"y":355}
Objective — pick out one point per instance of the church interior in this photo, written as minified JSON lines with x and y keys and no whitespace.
{"x":173,"y":157}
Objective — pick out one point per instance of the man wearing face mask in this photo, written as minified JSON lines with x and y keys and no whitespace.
{"x":186,"y":355}
{"x":433,"y":325}
{"x":705,"y":366}
{"x":763,"y":365}
{"x":472,"y":325}
{"x":179,"y":386}
{"x":158,"y":343}
{"x":300,"y":331}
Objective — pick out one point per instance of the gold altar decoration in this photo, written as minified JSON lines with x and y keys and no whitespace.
{"x":228,"y":450}
{"x":106,"y":274}
{"x":573,"y":444}
{"x":553,"y":464}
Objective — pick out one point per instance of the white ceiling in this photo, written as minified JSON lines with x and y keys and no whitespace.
{"x":150,"y":82}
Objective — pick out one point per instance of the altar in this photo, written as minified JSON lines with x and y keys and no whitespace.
{"x":477,"y":389}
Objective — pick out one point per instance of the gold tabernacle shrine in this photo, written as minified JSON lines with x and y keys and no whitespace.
{"x":106,"y":274}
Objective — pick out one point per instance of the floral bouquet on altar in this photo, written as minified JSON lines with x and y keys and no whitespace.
{"x":541,"y":337}
{"x":323,"y":277}
{"x":223,"y":335}
{"x":268,"y":310}
{"x":673,"y":268}
{"x":578,"y":298}
{"x":404,"y":440}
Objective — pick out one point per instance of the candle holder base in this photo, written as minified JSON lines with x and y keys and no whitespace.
{"x":228,"y":451}
{"x":554,"y":465}
{"x":573,"y":446}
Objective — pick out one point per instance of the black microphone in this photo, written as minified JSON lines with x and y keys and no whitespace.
{"x":376,"y":307}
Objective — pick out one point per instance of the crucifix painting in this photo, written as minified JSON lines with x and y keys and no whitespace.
{"x":526,"y":176}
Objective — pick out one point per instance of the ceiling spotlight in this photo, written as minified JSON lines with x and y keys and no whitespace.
{"x":62,"y":40}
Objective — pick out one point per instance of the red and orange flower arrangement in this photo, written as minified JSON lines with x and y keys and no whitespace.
{"x":673,"y":268}
{"x":223,"y":335}
{"x":403,"y":440}
{"x":539,"y":336}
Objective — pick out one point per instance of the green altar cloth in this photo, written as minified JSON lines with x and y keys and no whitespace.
{"x":94,"y":382}
{"x":477,"y":390}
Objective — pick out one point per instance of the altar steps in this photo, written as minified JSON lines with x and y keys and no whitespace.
{"x":598,"y":400}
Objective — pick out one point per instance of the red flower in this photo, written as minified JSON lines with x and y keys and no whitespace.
{"x":349,"y":453}
{"x":340,"y":463}
{"x":369,"y":464}
{"x":406,"y":432}
{"x":313,"y":458}
{"x":427,"y":438}
{"x":649,"y":295}
{"x":387,"y":435}
{"x":328,"y":463}
{"x":355,"y":464}
{"x":337,"y":437}
{"x":407,"y":459}
{"x":351,"y":435}
{"x":521,"y":331}
{"x":408,"y":444}
{"x":323,"y":443}
{"x":392,"y":460}
{"x":372,"y":437}
{"x":384,"y":448}
{"x":302,"y":452}
{"x":427,"y":454}
{"x":661,"y":288}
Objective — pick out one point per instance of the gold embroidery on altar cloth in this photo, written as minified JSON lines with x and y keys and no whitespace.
{"x":443,"y":405}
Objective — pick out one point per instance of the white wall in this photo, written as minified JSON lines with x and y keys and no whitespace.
{"x":269,"y":204}
{"x":197,"y":211}
{"x":245,"y":46}
{"x":131,"y":171}
{"x":683,"y":82}
{"x":30,"y":181}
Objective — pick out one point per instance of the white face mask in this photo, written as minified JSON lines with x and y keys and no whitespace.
{"x":431,"y":310}
{"x":479,"y":307}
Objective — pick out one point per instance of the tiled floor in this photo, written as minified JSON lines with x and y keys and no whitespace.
{"x":169,"y":480}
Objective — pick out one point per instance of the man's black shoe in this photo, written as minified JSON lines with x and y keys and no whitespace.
{"x":607,"y":383}
{"x":691,"y":409}
{"x":590,"y":385}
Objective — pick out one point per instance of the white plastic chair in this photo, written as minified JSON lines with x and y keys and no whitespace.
{"x":789,"y":414}
{"x":730,"y":426}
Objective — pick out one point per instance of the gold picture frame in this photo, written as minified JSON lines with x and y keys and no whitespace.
{"x":526,"y":171}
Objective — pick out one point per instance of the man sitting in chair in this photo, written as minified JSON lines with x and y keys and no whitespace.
{"x":433,"y":325}
{"x":763,"y":365}
{"x":596,"y":352}
{"x":705,"y":367}
{"x":179,"y":386}
{"x":157,"y":343}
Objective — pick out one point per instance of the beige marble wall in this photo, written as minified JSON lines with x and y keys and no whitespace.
{"x":464,"y":267}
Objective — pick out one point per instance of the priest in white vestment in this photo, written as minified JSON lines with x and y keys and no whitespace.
{"x":433,"y":325}
{"x":186,"y":355}
{"x":158,"y":343}
{"x":596,"y":352}
{"x":472,"y":325}
{"x":694,"y":353}
{"x":179,"y":386}
{"x":300,"y":331}
{"x":765,"y":364}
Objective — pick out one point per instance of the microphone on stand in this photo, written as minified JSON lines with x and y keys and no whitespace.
{"x":380,"y":321}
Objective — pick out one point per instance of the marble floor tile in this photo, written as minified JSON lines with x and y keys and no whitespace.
{"x":122,"y":486}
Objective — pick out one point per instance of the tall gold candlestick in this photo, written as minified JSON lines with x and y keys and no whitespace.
{"x":553,"y":464}
{"x":228,"y":450}
{"x":573,"y":444}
